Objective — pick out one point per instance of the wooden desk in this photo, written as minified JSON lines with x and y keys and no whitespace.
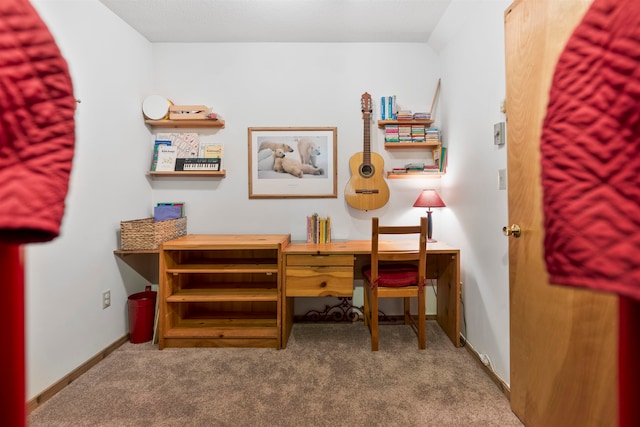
{"x":314,"y":270}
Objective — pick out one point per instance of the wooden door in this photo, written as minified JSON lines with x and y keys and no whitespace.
{"x":563,"y":341}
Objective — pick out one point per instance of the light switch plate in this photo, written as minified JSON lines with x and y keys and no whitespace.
{"x":502,"y":179}
{"x":499,"y":136}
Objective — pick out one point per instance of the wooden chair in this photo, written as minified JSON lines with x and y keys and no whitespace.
{"x":396,"y":274}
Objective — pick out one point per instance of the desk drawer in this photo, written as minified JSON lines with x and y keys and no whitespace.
{"x":319,"y":281}
{"x":321,"y":260}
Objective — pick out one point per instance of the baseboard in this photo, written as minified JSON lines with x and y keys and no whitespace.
{"x":72,"y":376}
{"x":504,"y":388}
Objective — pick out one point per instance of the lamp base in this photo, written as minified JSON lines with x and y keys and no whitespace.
{"x":429,"y":227}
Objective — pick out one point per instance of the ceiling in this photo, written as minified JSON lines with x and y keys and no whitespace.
{"x":193,"y":21}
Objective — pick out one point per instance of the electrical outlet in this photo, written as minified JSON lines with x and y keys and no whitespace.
{"x":485,"y":359}
{"x":106,"y":299}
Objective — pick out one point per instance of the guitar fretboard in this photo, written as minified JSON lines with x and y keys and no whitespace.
{"x":366,"y":153}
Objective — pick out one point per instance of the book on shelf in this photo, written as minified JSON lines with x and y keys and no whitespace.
{"x":167,"y":155}
{"x":154,"y":158}
{"x":421,"y":116}
{"x":440,"y":158}
{"x":432,"y":134}
{"x":404,"y":115}
{"x":392,"y":108}
{"x":414,"y":166}
{"x":187,"y":143}
{"x":399,"y":170}
{"x":435,"y":154}
{"x":391,"y":133}
{"x":416,"y":169}
{"x":210,"y":150}
{"x":443,"y":159}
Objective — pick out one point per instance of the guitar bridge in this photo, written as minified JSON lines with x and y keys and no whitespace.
{"x":367,"y":191}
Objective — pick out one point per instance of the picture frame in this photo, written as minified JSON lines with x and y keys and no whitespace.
{"x":292,"y":162}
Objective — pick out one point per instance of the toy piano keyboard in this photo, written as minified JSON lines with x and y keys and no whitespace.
{"x":198,"y":164}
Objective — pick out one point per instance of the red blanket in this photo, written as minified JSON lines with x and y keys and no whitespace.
{"x":37,"y":130}
{"x":591,"y":154}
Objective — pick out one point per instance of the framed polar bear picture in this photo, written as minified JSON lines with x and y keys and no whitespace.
{"x":292,"y":162}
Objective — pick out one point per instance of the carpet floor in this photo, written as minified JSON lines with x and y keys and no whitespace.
{"x":327,"y":376}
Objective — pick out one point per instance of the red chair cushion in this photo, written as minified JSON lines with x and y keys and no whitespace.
{"x":394,"y":276}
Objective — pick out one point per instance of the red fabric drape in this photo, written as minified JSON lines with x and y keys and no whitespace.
{"x":37,"y":128}
{"x":590,"y":153}
{"x":37,"y":136}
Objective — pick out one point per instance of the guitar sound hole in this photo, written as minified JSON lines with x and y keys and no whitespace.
{"x":366,"y":171}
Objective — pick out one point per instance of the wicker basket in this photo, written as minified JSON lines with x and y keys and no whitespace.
{"x":148,"y":234}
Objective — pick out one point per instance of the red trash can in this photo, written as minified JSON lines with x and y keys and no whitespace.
{"x":142,"y":311}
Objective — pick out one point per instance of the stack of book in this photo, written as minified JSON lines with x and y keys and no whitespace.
{"x":318,"y":229}
{"x":421,"y":116}
{"x":433,"y":134}
{"x":417,"y":133}
{"x":391,"y":133}
{"x":404,"y":115}
{"x":404,"y":133}
{"x":416,"y":168}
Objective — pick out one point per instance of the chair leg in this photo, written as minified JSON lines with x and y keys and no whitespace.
{"x":374,"y":320}
{"x":367,"y":308}
{"x":407,"y":310}
{"x":422,"y":322}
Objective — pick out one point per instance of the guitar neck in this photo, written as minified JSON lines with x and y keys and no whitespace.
{"x":366,"y":152}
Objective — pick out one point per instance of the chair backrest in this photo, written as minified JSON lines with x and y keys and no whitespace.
{"x":381,"y":254}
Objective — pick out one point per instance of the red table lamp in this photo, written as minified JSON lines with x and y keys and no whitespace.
{"x":429,"y":199}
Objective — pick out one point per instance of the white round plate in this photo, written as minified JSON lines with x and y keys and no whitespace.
{"x":156,"y":107}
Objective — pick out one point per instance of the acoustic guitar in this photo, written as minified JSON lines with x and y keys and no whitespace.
{"x":366,"y":189}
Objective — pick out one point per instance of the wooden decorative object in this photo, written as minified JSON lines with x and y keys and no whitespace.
{"x":189,"y":112}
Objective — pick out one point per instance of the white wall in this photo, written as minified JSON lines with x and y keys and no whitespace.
{"x":110,"y":65}
{"x":273,"y":84}
{"x":470,"y":43}
{"x":270,"y":84}
{"x":254,"y":85}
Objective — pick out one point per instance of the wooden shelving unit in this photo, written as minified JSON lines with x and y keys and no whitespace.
{"x":185,"y":123}
{"x":221,"y":291}
{"x":414,"y":175}
{"x":383,"y":123}
{"x":410,"y":145}
{"x":181,"y":124}
{"x":190,"y":174}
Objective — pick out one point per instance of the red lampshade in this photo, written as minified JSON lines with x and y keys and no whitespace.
{"x":429,"y":199}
